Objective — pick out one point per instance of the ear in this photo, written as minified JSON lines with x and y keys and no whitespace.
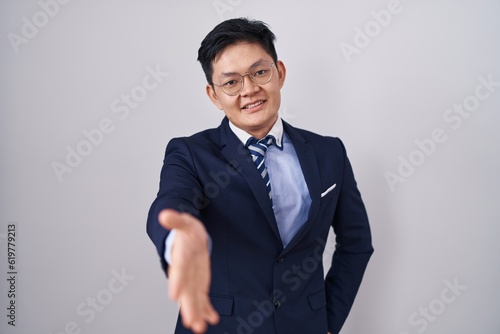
{"x":281,"y":73}
{"x":213,"y":96}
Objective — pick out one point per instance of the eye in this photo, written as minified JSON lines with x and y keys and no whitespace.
{"x":260,"y":73}
{"x":230,"y":83}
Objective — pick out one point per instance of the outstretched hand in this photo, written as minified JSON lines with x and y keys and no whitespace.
{"x":189,"y":270}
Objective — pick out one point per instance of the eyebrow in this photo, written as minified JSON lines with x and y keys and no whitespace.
{"x":225,"y":74}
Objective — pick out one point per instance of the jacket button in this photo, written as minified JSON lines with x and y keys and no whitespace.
{"x":280,"y":259}
{"x":277,"y":304}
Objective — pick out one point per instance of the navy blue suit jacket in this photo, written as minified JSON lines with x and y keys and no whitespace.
{"x":257,"y":285}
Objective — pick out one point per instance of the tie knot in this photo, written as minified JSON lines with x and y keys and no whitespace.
{"x":259,"y":147}
{"x":267,"y":141}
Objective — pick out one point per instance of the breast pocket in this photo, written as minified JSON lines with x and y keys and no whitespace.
{"x":328,"y":190}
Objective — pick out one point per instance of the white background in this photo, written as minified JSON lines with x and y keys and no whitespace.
{"x":73,"y":232}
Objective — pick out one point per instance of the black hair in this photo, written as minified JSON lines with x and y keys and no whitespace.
{"x":231,"y":32}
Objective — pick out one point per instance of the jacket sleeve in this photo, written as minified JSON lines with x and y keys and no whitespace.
{"x":352,"y":253}
{"x":179,"y":190}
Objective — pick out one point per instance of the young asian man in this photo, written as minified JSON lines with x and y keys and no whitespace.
{"x":243,"y":211}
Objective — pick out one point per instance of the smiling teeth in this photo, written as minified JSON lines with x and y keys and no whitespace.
{"x":253,"y":105}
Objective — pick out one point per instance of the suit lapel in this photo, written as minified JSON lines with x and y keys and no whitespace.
{"x":309,"y":164}
{"x":234,"y":151}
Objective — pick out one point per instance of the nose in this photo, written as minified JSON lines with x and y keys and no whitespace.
{"x":249,"y":87}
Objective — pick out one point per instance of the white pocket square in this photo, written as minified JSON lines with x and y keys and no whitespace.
{"x":323,"y":194}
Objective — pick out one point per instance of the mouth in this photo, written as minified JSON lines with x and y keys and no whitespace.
{"x":254,"y":105}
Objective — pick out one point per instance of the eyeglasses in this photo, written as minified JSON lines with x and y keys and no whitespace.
{"x":232,"y":83}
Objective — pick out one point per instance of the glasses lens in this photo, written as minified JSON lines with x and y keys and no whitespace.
{"x":231,"y":84}
{"x":261,"y":74}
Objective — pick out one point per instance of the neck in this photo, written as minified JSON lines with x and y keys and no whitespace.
{"x":263,"y":131}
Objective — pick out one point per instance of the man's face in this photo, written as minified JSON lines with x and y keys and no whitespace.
{"x":255,"y":108}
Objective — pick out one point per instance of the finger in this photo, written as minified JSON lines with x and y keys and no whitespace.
{"x":199,"y":326}
{"x":173,"y":284}
{"x":192,"y":316}
{"x":171,"y":219}
{"x":211,"y":315}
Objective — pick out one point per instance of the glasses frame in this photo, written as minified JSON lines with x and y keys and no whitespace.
{"x":243,"y":81}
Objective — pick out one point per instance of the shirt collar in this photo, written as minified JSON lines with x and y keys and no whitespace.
{"x":276,"y":131}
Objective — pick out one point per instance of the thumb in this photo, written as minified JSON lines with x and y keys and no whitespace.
{"x":171,"y":219}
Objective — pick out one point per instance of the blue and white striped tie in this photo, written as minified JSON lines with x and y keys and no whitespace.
{"x":258,"y":150}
